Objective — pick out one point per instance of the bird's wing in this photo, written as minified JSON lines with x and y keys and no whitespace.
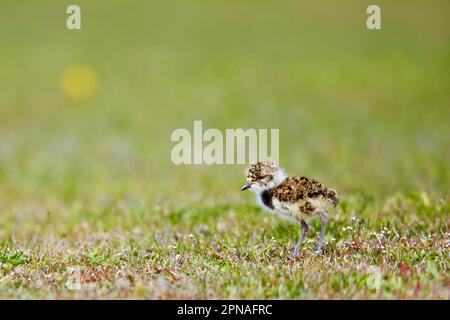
{"x":301,"y":190}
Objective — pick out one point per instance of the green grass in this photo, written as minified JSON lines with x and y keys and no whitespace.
{"x":230,"y":251}
{"x":92,"y":207}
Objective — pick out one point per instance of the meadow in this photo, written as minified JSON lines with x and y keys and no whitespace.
{"x":92,"y":207}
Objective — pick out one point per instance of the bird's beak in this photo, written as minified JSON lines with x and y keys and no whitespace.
{"x":246,"y":186}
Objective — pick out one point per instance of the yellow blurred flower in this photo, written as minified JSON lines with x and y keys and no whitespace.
{"x":79,"y":82}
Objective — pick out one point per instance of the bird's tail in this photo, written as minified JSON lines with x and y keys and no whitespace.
{"x":332,"y":197}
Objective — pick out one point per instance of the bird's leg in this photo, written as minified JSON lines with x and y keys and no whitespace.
{"x":305,"y":230}
{"x":323,"y":216}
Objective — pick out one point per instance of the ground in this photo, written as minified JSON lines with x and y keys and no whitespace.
{"x":91,"y":205}
{"x":234,"y":252}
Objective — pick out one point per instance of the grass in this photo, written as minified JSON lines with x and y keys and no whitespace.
{"x":399,"y":250}
{"x":92,"y":207}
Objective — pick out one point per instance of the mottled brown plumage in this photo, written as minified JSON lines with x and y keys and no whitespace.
{"x":261,"y":170}
{"x":300,"y":189}
{"x":293,"y":198}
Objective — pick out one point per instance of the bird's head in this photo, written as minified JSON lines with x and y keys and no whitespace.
{"x":262,"y":175}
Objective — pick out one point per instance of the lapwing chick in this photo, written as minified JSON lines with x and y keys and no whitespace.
{"x":292,"y":198}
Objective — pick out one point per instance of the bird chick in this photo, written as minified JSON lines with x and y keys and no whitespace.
{"x":292,"y":198}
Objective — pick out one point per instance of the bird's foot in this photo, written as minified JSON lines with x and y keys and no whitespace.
{"x":318,"y":251}
{"x":293,"y":256}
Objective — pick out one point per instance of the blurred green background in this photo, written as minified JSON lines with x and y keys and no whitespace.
{"x":366,"y":112}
